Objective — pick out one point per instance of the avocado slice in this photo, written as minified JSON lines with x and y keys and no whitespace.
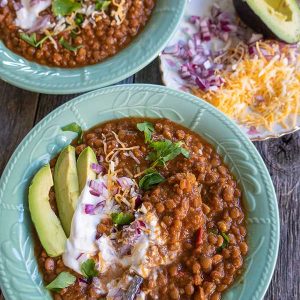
{"x":273,"y":18}
{"x":66,"y":186}
{"x":84,"y":170}
{"x":46,"y":223}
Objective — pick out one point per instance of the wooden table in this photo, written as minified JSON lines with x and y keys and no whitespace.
{"x":21,"y":110}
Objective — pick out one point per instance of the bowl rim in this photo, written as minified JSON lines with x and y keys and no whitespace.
{"x":185,"y":97}
{"x":20,"y":80}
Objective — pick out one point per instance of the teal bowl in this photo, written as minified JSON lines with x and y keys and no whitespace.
{"x":139,"y":53}
{"x":19,"y":276}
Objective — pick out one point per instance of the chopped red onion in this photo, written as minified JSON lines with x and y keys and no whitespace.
{"x":138,"y":201}
{"x":134,"y":157}
{"x":194,"y":19}
{"x":252,"y":50}
{"x":79,"y":256}
{"x":40,"y":24}
{"x":252,"y":130}
{"x":3,"y":3}
{"x":125,"y":182}
{"x":198,"y":66}
{"x":17,"y":5}
{"x":94,"y":193}
{"x":260,"y":98}
{"x":91,"y":209}
{"x":96,"y":188}
{"x":201,"y":84}
{"x":134,"y":288}
{"x":97,"y":168}
{"x":141,"y":223}
{"x":132,"y":233}
{"x":83,"y":282}
{"x":171,"y":50}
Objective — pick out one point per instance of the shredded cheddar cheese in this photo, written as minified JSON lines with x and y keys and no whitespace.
{"x":120,"y":13}
{"x":260,"y":91}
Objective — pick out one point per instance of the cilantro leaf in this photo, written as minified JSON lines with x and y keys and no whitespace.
{"x":68,"y":46}
{"x":79,"y":19}
{"x":165,"y":151}
{"x":64,"y":7}
{"x":150,"y":179}
{"x":88,"y":269}
{"x":102,"y":4}
{"x":63,"y":280}
{"x":74,"y":127}
{"x":122,"y":218}
{"x":30,"y":39}
{"x":225,"y":241}
{"x":147,"y":128}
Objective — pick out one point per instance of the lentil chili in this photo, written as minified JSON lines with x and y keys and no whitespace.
{"x":199,"y":212}
{"x":87,"y":35}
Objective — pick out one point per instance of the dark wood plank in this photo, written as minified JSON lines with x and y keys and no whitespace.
{"x":282,"y":157}
{"x":150,"y":74}
{"x":17,"y":113}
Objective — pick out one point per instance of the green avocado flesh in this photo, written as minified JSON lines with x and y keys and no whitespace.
{"x":47,"y":224}
{"x":85,"y":172}
{"x":273,"y":18}
{"x":66,"y":186}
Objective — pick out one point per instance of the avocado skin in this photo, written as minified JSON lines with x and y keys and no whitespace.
{"x":84,"y":170}
{"x":66,"y":186}
{"x":248,"y":16}
{"x":46,"y":223}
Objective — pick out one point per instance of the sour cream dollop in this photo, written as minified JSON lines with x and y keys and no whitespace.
{"x":82,"y":241}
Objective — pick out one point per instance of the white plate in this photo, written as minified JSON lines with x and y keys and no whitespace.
{"x":170,"y":65}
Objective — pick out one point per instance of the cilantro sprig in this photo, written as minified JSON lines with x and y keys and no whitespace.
{"x":63,"y":280}
{"x":88,"y":269}
{"x":147,"y":128}
{"x":31,"y":39}
{"x":151,"y":179}
{"x":122,"y":218}
{"x":68,"y":46}
{"x":226,"y":241}
{"x":163,"y":151}
{"x":74,"y":127}
{"x":64,"y":7}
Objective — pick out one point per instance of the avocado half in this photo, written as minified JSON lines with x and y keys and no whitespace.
{"x":273,"y":18}
{"x":47,"y":224}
